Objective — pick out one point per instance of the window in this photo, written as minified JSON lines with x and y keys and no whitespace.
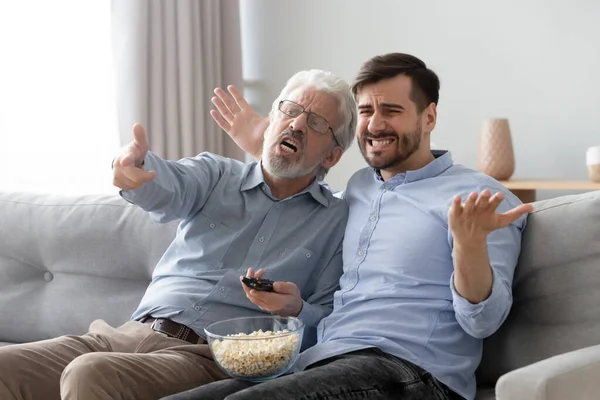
{"x":58,"y":117}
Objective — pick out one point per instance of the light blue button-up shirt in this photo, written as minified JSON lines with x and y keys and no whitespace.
{"x":397,"y":289}
{"x":229,"y":223}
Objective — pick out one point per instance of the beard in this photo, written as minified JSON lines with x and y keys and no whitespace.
{"x":406,"y":145}
{"x":284,"y":167}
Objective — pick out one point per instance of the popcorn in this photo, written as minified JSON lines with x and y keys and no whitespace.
{"x":256,"y":357}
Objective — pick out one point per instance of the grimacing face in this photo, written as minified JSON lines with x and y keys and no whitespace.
{"x":389,"y":128}
{"x":291,"y":148}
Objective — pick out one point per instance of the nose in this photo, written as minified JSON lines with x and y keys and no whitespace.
{"x":300,"y":123}
{"x":376,"y":123}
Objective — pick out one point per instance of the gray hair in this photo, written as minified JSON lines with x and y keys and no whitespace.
{"x":335,"y":86}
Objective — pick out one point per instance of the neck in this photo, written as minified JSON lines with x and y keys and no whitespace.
{"x":282,"y":188}
{"x":417,"y":160}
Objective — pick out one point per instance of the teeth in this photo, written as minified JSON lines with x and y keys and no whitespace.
{"x":286,"y":149}
{"x":381,"y":142}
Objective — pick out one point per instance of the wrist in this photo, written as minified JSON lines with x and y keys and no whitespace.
{"x":298,"y":309}
{"x":472,"y":243}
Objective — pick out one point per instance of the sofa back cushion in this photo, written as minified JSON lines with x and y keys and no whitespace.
{"x":556,"y":289}
{"x":67,"y":260}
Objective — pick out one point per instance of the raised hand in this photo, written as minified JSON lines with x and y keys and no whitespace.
{"x":285,"y":301}
{"x":477,"y":217}
{"x":235,"y":116}
{"x":128,"y":169}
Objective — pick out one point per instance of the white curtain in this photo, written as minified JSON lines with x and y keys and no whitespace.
{"x":169,"y":56}
{"x":58,"y":125}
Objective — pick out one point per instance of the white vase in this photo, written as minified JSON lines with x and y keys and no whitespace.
{"x":592,"y":158}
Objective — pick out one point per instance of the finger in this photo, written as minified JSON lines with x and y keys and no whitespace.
{"x":225,"y":112}
{"x":495,"y":200}
{"x":470,"y":203}
{"x":250,"y":273}
{"x":139,"y":176}
{"x":511,"y":216}
{"x":139,"y":137}
{"x":263,"y":300}
{"x":286,"y":288}
{"x":226,"y":126}
{"x":483,"y":200}
{"x":127,"y":160}
{"x":259,"y":273}
{"x":227,"y":100}
{"x":456,"y":207}
{"x":237,"y":96}
{"x":247,"y":290}
{"x":121,"y":181}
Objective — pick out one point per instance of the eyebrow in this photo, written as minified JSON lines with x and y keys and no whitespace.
{"x":388,"y":105}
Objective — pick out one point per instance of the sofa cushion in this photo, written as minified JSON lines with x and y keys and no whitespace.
{"x":556,"y":301}
{"x":67,"y":260}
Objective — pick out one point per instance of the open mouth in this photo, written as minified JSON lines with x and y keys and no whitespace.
{"x":379,"y":142}
{"x":289,"y":145}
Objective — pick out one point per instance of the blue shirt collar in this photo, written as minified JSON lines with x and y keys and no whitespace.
{"x":443,"y":161}
{"x":254,"y":177}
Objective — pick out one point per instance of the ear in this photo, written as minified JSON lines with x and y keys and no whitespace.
{"x":429,"y":117}
{"x":333,"y":157}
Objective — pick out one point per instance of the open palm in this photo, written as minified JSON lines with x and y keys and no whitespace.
{"x":241,"y":122}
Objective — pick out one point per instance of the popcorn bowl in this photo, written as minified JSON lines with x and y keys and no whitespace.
{"x":255,"y":349}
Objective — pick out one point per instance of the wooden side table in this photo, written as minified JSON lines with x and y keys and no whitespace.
{"x":526,"y":189}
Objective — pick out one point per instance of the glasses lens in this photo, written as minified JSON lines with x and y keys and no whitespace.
{"x":318,"y":123}
{"x":289,"y":108}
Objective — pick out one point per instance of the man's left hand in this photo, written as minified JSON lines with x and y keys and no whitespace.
{"x":285,"y":301}
{"x":477,"y":217}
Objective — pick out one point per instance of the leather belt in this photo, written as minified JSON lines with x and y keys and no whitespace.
{"x":173,"y":329}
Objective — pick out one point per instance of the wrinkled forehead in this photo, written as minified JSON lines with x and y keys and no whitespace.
{"x":318,"y":102}
{"x":395,"y":90}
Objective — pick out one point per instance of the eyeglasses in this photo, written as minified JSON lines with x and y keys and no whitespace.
{"x":314,"y":121}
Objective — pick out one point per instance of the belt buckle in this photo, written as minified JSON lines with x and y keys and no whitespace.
{"x":152,"y":325}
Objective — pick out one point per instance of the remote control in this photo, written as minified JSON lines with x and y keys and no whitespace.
{"x":262,"y":284}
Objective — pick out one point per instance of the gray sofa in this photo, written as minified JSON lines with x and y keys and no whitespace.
{"x":65,"y":261}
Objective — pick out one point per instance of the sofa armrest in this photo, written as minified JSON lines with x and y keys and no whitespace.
{"x":574,"y":375}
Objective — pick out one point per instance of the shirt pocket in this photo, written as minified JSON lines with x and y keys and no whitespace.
{"x":211,"y":241}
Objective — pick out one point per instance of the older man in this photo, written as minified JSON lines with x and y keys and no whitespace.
{"x":234,"y":217}
{"x":429,"y":255}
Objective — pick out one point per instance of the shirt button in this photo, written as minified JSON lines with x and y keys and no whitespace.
{"x":308,"y":255}
{"x":197,"y":308}
{"x":372,"y":218}
{"x":261,"y":239}
{"x":222,"y":288}
{"x":212,"y":225}
{"x":360,"y":253}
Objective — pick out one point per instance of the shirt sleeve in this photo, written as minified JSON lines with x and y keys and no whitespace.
{"x":504,"y":246}
{"x":180,"y":188}
{"x":320,"y":303}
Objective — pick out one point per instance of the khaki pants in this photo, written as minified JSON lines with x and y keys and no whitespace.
{"x":129,"y":362}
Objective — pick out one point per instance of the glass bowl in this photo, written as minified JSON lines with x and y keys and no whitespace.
{"x":255,"y":349}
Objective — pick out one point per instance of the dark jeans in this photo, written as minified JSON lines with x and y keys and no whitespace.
{"x":364,"y":374}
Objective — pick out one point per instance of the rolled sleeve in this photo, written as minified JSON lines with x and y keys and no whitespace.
{"x":482,"y":319}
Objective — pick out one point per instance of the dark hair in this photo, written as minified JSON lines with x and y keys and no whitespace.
{"x":425,"y":83}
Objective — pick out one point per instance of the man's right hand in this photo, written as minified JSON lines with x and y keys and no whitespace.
{"x":235,"y":116}
{"x":128,"y":171}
